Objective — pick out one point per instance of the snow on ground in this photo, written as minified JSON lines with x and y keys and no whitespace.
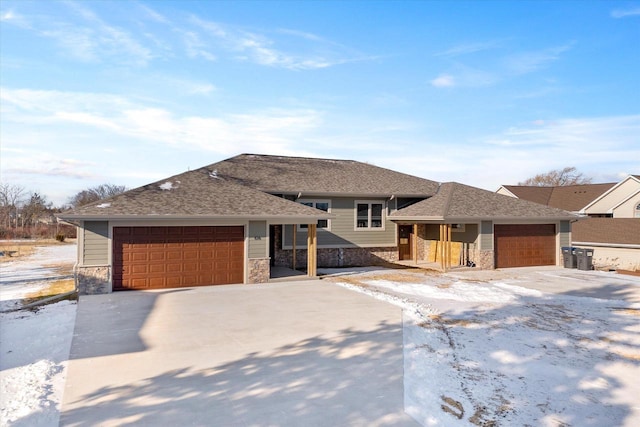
{"x":494,"y":354}
{"x":34,"y":344}
{"x":22,"y":276}
{"x":34,"y":349}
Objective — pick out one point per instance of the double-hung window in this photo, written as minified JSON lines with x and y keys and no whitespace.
{"x":369,"y":215}
{"x":323,"y":205}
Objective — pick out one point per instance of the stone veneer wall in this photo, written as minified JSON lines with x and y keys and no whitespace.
{"x":339,"y":257}
{"x":259,"y":270}
{"x":423,"y":243}
{"x":93,"y":280}
{"x":485,"y":259}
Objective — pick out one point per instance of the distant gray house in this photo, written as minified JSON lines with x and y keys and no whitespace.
{"x":231,"y":221}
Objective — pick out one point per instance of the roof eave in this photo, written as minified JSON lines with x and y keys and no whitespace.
{"x":461,"y":219}
{"x":151,"y":217}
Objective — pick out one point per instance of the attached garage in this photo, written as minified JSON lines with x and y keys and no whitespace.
{"x":525,"y":245}
{"x":171,"y":257}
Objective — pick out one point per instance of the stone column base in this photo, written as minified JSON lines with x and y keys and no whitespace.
{"x":486,"y":259}
{"x":93,"y":280}
{"x":259,"y":270}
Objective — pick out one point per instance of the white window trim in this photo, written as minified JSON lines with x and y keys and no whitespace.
{"x":636,"y":211}
{"x":369,"y":202}
{"x":314,"y":201}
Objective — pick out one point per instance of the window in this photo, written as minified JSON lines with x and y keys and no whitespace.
{"x":636,"y":214}
{"x":323,"y":205}
{"x":369,"y":216}
{"x":460,"y":228}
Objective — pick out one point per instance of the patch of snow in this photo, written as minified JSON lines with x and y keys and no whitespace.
{"x":35,"y":351}
{"x":166,"y":186}
{"x":484,"y":352}
{"x":103,"y":205}
{"x":25,"y":275}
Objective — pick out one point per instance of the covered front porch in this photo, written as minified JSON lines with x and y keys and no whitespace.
{"x":438,"y":245}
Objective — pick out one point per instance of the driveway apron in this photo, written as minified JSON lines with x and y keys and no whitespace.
{"x":284,"y":354}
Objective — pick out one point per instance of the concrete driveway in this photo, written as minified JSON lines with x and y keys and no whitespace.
{"x":299,"y":353}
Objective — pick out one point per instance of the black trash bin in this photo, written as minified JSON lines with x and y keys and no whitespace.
{"x":585,"y":259}
{"x":569,"y":257}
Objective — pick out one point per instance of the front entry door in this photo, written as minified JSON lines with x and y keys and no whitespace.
{"x":404,"y":242}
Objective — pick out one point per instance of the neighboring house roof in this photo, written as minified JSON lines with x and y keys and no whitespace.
{"x":622,"y":231}
{"x":199,"y":193}
{"x":455,"y":201}
{"x":310,"y":176}
{"x":567,"y":197}
{"x":611,"y":190}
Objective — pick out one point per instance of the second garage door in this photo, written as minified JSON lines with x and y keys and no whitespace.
{"x":525,"y":245}
{"x":170,"y":257}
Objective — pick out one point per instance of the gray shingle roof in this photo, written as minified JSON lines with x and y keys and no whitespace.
{"x":197,"y":193}
{"x":567,"y":197}
{"x":455,"y":201}
{"x":293,"y":175}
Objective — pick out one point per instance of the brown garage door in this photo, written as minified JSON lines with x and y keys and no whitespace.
{"x":171,"y":257}
{"x":525,"y":245}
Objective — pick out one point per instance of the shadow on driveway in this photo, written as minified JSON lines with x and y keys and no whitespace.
{"x":298,"y":353}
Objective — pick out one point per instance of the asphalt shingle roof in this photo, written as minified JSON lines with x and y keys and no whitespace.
{"x":624,"y":231}
{"x":567,"y":197}
{"x":293,"y":175}
{"x":197,"y":193}
{"x":459,"y":201}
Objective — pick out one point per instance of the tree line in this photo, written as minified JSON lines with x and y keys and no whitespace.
{"x":27,"y":214}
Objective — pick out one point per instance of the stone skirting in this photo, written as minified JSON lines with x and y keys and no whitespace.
{"x":93,"y":280}
{"x":259,"y":270}
{"x":339,"y":257}
{"x":486,"y":259}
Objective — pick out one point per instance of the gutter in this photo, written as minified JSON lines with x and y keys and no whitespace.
{"x":148,"y":217}
{"x":607,"y":245}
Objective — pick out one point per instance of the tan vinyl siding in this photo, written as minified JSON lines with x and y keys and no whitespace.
{"x":628,"y":208}
{"x":486,"y":235}
{"x":342,"y":231}
{"x":96,"y":243}
{"x":257,"y":239}
{"x":627,"y":188}
{"x":565,"y":234}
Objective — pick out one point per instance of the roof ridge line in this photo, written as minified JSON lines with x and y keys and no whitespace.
{"x":447,"y":203}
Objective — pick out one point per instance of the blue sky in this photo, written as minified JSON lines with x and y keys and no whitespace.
{"x":484,"y":93}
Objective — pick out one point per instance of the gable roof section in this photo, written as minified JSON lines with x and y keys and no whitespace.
{"x":312,"y":176}
{"x":194,"y":194}
{"x":621,"y":231}
{"x":611,"y":190}
{"x":457,"y":202}
{"x":567,"y":197}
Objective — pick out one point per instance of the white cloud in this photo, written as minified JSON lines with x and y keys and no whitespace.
{"x":87,"y":38}
{"x":468,"y":48}
{"x":623,"y":13}
{"x":528,"y":62}
{"x":271,"y":130}
{"x":258,"y":48}
{"x":443,"y":80}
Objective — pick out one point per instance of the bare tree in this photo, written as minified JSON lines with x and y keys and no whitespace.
{"x":94,"y":194}
{"x":558,"y":178}
{"x":35,"y":209}
{"x":11,"y":197}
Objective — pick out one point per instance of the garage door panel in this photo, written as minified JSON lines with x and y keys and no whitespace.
{"x":524,"y":245}
{"x":167,"y":257}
